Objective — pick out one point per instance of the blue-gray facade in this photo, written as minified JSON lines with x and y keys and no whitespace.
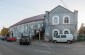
{"x":57,"y":21}
{"x":57,"y":24}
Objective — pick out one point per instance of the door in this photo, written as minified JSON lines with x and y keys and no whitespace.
{"x":63,"y":38}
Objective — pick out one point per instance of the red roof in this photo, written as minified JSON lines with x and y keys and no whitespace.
{"x":31,"y":19}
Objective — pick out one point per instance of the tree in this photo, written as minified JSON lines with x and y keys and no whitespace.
{"x":82,"y":29}
{"x":0,"y":32}
{"x":5,"y":31}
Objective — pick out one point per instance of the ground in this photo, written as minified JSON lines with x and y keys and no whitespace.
{"x":42,"y":48}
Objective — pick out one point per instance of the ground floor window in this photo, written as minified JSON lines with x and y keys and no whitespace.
{"x":55,"y":32}
{"x":66,"y":31}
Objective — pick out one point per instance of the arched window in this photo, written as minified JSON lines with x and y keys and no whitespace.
{"x":55,"y":32}
{"x":55,"y":20}
{"x":66,"y":31}
{"x":66,"y":19}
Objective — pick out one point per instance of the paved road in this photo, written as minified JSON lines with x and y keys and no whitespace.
{"x":41,"y":48}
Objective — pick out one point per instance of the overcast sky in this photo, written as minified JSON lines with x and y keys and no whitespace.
{"x":12,"y":11}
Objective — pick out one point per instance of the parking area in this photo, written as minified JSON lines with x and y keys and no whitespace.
{"x":51,"y":45}
{"x":40,"y":47}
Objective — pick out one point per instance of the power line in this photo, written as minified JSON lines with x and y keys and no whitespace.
{"x":26,"y":6}
{"x":13,"y":10}
{"x":64,"y":3}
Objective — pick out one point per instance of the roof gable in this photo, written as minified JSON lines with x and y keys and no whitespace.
{"x":60,"y":9}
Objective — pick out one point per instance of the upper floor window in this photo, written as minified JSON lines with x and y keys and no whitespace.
{"x":55,"y":20}
{"x":66,"y":19}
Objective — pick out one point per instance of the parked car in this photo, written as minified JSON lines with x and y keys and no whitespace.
{"x":3,"y":38}
{"x":63,"y":38}
{"x":25,"y":40}
{"x":12,"y":39}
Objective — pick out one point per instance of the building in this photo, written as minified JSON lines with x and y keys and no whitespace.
{"x":57,"y":21}
{"x":29,"y":26}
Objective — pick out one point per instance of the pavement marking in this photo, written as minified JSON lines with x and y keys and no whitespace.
{"x":42,"y":51}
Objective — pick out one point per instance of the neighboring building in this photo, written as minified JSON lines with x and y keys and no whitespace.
{"x":27,"y":26}
{"x":57,"y":21}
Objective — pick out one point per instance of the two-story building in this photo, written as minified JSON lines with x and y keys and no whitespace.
{"x":57,"y":21}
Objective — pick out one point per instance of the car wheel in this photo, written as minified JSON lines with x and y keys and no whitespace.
{"x":68,"y":41}
{"x":20,"y":43}
{"x":55,"y":41}
{"x":11,"y":40}
{"x":28,"y":43}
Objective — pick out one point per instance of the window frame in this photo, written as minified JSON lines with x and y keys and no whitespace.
{"x":68,"y":19}
{"x":53,"y":20}
{"x":63,"y":36}
{"x":58,"y":36}
{"x":66,"y":30}
{"x":55,"y":30}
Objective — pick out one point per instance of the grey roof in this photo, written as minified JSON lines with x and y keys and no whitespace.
{"x":61,"y":7}
{"x":31,"y":19}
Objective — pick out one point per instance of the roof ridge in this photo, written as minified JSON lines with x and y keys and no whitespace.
{"x":30,"y":19}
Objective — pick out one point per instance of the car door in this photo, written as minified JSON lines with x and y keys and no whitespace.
{"x":58,"y":38}
{"x":63,"y":38}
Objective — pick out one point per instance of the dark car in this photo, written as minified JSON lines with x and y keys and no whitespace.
{"x":3,"y":38}
{"x":12,"y":39}
{"x":25,"y":40}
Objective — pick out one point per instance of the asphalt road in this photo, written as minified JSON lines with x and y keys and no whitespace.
{"x":41,"y":48}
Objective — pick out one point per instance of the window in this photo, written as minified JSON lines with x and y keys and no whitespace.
{"x":22,"y":28}
{"x":38,"y":26}
{"x":66,"y":31}
{"x":66,"y":19}
{"x":31,"y":26}
{"x":25,"y":26}
{"x":58,"y":36}
{"x":55,"y":20}
{"x":63,"y":36}
{"x":42,"y":24}
{"x":55,"y":32}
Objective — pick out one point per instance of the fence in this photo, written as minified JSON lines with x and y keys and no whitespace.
{"x":81,"y":38}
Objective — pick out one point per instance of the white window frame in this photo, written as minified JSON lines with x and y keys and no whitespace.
{"x":64,"y":19}
{"x":66,"y":30}
{"x":55,"y":30}
{"x":53,"y":20}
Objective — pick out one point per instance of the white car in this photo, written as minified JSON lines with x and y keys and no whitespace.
{"x":63,"y":38}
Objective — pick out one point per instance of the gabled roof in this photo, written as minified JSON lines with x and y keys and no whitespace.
{"x":27,"y":20}
{"x":63,"y":8}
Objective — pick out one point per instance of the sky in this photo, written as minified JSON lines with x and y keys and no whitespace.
{"x":13,"y":11}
